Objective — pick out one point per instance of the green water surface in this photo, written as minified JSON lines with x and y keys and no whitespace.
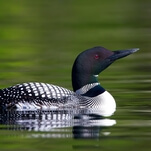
{"x":39,"y":41}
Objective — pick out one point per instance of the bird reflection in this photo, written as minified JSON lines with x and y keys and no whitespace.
{"x":91,"y":128}
{"x":58,"y":124}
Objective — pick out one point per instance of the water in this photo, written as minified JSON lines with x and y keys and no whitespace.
{"x":57,"y":130}
{"x":39,"y":42}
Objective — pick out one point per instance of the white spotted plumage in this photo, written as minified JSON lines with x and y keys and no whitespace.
{"x":43,"y":96}
{"x":33,"y":96}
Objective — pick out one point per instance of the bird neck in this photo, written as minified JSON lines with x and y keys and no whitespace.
{"x":82,"y":75}
{"x":91,"y":90}
{"x":80,"y":80}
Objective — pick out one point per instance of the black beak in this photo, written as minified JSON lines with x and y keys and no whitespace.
{"x":122,"y":53}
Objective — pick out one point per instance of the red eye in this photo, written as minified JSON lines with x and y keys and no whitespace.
{"x":96,"y":56}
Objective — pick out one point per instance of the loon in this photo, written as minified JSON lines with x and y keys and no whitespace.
{"x":87,"y":92}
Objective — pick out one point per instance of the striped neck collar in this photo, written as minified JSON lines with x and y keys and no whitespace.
{"x":86,"y":88}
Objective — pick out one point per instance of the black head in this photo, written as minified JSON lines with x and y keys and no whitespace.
{"x":91,"y":62}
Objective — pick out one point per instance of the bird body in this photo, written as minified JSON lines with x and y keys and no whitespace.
{"x":87,"y":92}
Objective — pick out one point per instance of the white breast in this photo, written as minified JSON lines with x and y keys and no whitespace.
{"x":107,"y":104}
{"x":103,"y":104}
